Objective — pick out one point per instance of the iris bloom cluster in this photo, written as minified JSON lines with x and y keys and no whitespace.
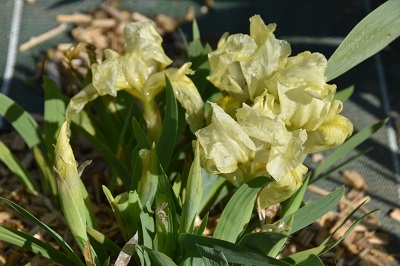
{"x":274,"y":110}
{"x":141,"y":71}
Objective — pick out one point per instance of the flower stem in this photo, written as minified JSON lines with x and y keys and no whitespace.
{"x":153,"y":120}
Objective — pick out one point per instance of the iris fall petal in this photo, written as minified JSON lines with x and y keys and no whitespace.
{"x":223,"y":144}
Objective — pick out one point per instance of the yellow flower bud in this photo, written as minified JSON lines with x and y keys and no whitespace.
{"x":68,"y":181}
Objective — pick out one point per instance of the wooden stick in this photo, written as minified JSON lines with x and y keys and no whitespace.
{"x":33,"y":41}
{"x":74,"y":18}
{"x":324,"y":192}
{"x":136,"y":16}
{"x":114,"y":12}
{"x":104,"y":23}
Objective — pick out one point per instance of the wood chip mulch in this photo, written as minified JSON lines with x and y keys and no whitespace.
{"x":365,"y":245}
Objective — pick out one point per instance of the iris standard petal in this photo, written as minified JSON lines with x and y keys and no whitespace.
{"x":303,"y":95}
{"x":225,"y":64}
{"x":241,"y":62}
{"x":105,"y":75}
{"x":269,"y":57}
{"x":142,"y":38}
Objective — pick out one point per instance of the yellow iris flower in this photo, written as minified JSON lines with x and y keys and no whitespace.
{"x":141,"y":72}
{"x":256,"y":69}
{"x":274,"y":109}
{"x":253,"y":145}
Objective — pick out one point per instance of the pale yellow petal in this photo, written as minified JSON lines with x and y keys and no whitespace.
{"x":241,"y":62}
{"x":188,"y":96}
{"x":184,"y":90}
{"x":106,"y":74}
{"x":301,"y":90}
{"x":143,"y":56}
{"x":279,"y":151}
{"x":225,"y":64}
{"x":142,"y":38}
{"x":299,"y":108}
{"x":79,"y":100}
{"x":329,"y":135}
{"x":269,"y":57}
{"x":266,"y":105}
{"x":332,"y":133}
{"x":261,"y":127}
{"x":286,"y":157}
{"x":309,"y":66}
{"x":133,"y":73}
{"x":279,"y":191}
{"x":224,"y":145}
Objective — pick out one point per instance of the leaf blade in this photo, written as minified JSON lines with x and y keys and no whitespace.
{"x":238,"y":210}
{"x":34,"y":245}
{"x":169,"y":133}
{"x":54,"y":111}
{"x":15,"y":167}
{"x":212,"y":257}
{"x":22,"y":122}
{"x":42,"y":225}
{"x":159,"y":258}
{"x":313,"y":211}
{"x":369,"y":36}
{"x":194,"y":191}
{"x":234,"y":253}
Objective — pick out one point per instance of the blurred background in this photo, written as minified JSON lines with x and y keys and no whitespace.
{"x":317,"y":26}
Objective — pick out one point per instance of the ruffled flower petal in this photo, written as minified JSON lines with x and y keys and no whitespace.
{"x":223,"y":144}
{"x":78,"y":102}
{"x":303,"y":95}
{"x":266,"y":105}
{"x":263,"y":128}
{"x":225,"y":64}
{"x":241,"y":62}
{"x":276,"y":192}
{"x":279,"y":150}
{"x":105,"y":75}
{"x":332,"y":133}
{"x":142,"y":38}
{"x":143,"y":56}
{"x":185,"y":92}
{"x":279,"y":154}
{"x":269,"y":57}
{"x":288,"y":156}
